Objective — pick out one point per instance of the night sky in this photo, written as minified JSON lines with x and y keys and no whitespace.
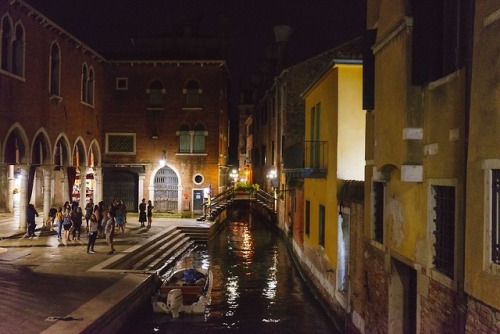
{"x":319,"y":25}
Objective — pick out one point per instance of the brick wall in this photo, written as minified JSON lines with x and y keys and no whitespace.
{"x":438,"y":310}
{"x":356,"y":264}
{"x":481,"y":318}
{"x":377,"y":294}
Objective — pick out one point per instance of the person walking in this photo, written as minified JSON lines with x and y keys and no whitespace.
{"x":67,"y":224}
{"x":30,"y":218}
{"x":150,"y":213}
{"x":110,"y":230}
{"x":51,"y":219}
{"x":93,"y":226}
{"x":89,"y":208}
{"x":142,"y":212}
{"x":120,"y":218}
{"x":59,"y":221}
{"x":77,"y":218}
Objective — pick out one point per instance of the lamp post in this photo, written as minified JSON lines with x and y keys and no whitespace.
{"x":163,"y":159}
{"x":234,"y":176}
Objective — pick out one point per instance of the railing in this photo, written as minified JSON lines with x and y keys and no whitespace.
{"x":218,"y":203}
{"x":306,"y":159}
{"x":266,"y":198}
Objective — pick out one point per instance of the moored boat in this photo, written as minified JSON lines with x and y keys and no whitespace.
{"x":185,"y":290}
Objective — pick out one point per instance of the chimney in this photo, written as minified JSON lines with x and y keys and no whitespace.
{"x":282,"y":35}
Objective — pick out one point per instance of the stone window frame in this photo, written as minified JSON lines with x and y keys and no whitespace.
{"x":55,"y":71}
{"x":488,"y":265}
{"x":434,"y":273}
{"x":121,"y":83}
{"x":198,"y":175}
{"x":88,"y":84}
{"x":118,"y":134}
{"x":193,"y":94}
{"x":12,"y":47}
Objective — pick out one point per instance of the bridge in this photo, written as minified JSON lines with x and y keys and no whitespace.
{"x":260,"y":200}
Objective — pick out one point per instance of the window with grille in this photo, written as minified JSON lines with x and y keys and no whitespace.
{"x":378,"y":211}
{"x":120,"y":143}
{"x":322,"y":218}
{"x":495,"y":216}
{"x":444,"y":229}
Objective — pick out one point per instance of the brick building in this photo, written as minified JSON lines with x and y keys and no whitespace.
{"x":147,"y":122}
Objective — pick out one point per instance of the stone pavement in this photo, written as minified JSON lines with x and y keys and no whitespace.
{"x":50,"y":285}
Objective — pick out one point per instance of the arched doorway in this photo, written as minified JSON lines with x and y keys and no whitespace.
{"x":166,"y":187}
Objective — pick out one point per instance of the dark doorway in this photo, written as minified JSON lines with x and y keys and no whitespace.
{"x":403,"y":300}
{"x":121,"y":185}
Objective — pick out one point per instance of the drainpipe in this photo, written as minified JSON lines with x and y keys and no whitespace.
{"x":469,"y":10}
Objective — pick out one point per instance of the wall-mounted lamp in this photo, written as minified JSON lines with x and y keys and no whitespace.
{"x":163,"y":159}
{"x":234,"y":175}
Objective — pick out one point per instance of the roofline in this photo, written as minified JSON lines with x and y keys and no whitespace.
{"x":328,"y":68}
{"x":168,"y":62}
{"x":46,"y":22}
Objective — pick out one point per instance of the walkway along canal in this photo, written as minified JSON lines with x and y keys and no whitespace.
{"x":257,"y":288}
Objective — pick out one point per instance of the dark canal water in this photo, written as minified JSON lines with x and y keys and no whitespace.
{"x":256,"y":288}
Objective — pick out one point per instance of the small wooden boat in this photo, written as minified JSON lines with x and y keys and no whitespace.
{"x":186,"y":290}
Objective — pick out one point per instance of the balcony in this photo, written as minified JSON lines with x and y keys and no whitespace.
{"x":308,"y":159}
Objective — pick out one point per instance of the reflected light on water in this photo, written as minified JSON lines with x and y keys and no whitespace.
{"x":242,"y":243}
{"x":232,"y":292}
{"x":272,"y":281}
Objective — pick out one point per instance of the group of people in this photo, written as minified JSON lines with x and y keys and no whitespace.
{"x":145,"y":213}
{"x":101,"y":220}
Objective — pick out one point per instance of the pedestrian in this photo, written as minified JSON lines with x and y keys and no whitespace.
{"x":51,"y":219}
{"x":142,"y":212}
{"x":77,"y":218}
{"x":93,"y":226}
{"x":59,"y":221}
{"x":110,"y":230}
{"x":67,"y":224}
{"x":120,"y":218}
{"x":150,"y":213}
{"x":89,"y":208}
{"x":74,"y":205}
{"x":100,"y":217}
{"x":30,"y":218}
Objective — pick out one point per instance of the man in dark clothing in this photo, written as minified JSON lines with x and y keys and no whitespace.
{"x":30,"y":218}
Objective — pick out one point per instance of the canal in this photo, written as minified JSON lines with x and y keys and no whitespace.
{"x":256,"y":288}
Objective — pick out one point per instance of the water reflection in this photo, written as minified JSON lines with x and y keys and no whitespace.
{"x":256,"y":289}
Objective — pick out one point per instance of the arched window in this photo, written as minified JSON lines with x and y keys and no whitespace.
{"x":199,"y":139}
{"x":184,"y":139}
{"x":55,"y":70}
{"x":90,"y":87}
{"x":156,"y":93}
{"x":193,"y":94}
{"x":18,"y":52}
{"x":87,"y":84}
{"x":85,"y":78}
{"x":6,"y":43}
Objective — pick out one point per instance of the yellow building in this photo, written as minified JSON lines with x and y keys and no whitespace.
{"x":420,"y":219}
{"x":482,"y":233}
{"x":334,"y":151}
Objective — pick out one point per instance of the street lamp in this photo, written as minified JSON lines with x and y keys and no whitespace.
{"x":234,"y":175}
{"x":163,"y":159}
